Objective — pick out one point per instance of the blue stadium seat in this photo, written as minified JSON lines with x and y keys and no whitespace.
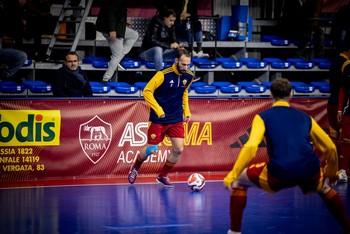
{"x":300,"y":63}
{"x":277,"y":63}
{"x":207,"y":89}
{"x":130,"y":63}
{"x":151,"y":65}
{"x":301,"y":87}
{"x":229,"y":63}
{"x":205,"y":63}
{"x":220,"y":84}
{"x":230,"y":89}
{"x":123,"y":88}
{"x":322,"y":63}
{"x":99,"y":88}
{"x":252,"y":87}
{"x":198,"y":84}
{"x":322,"y":86}
{"x":11,"y":87}
{"x":36,"y":86}
{"x":253,"y":62}
{"x":91,"y":59}
{"x":140,"y":85}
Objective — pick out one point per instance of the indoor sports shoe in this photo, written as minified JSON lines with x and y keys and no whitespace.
{"x":201,"y":54}
{"x":165,"y":181}
{"x":132,"y":175}
{"x":343,"y":178}
{"x":194,"y":54}
{"x":232,"y":232}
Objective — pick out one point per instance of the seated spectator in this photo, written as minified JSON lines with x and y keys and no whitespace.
{"x":159,"y":43}
{"x":28,"y":19}
{"x":13,"y":60}
{"x":185,"y":32}
{"x":70,"y":80}
{"x":187,"y":24}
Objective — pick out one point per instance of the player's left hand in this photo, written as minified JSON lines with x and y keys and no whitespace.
{"x":228,"y":182}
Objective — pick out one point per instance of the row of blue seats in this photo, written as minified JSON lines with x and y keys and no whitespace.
{"x":229,"y":63}
{"x":42,"y":88}
{"x":280,"y":41}
{"x":197,"y":88}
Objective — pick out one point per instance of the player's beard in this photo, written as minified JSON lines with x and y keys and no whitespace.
{"x":183,"y":71}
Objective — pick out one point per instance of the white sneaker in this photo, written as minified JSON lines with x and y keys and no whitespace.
{"x":194,"y":54}
{"x":343,"y":178}
{"x":232,"y":232}
{"x":201,"y":54}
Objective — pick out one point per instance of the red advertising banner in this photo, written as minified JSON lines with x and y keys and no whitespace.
{"x":42,"y":139}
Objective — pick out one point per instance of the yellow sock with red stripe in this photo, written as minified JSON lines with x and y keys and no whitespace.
{"x":336,"y":207}
{"x":166,"y":168}
{"x":238,"y":201}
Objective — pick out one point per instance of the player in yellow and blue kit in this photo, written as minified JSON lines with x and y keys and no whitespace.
{"x":167,"y":96}
{"x":292,"y":160}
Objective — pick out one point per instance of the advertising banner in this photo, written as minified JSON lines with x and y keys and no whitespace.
{"x":43,"y":139}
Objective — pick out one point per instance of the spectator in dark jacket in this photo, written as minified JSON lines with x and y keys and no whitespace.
{"x":159,"y":43}
{"x":112,"y":23}
{"x":70,"y":80}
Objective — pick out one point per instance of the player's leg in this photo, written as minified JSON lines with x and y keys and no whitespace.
{"x":155,"y":135}
{"x":177,"y":148}
{"x":344,"y":155}
{"x":334,"y":126}
{"x":318,"y":183}
{"x":335,"y":206}
{"x":238,"y":196}
{"x":176,"y":134}
{"x":140,"y":158}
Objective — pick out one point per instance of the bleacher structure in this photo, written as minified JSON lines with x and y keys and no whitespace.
{"x":264,"y":69}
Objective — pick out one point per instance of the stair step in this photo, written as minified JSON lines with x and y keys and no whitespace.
{"x":64,"y":34}
{"x":74,"y":8}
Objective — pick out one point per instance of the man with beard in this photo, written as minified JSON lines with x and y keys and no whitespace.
{"x":167,"y":96}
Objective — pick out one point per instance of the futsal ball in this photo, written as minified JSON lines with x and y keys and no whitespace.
{"x":196,"y":182}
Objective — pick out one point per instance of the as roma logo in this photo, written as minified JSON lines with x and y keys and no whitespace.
{"x":95,"y":138}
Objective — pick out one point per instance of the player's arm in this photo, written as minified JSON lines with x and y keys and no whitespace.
{"x":148,"y":93}
{"x":185,"y":103}
{"x":324,"y":144}
{"x":248,"y":151}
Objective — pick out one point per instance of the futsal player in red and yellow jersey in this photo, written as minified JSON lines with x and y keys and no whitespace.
{"x":335,"y":107}
{"x":292,"y":160}
{"x":344,"y":120}
{"x":167,"y":96}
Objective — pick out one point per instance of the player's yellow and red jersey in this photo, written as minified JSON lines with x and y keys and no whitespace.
{"x":167,"y":93}
{"x":288,"y":134}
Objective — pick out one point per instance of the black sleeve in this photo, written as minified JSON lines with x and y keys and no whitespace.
{"x":58,"y":84}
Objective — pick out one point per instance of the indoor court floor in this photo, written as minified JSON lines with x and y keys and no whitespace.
{"x":147,"y":207}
